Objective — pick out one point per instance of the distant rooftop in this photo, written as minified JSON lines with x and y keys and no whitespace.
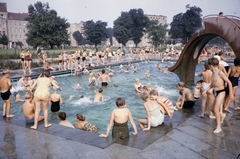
{"x":17,"y":16}
{"x":155,"y":15}
{"x":3,"y":7}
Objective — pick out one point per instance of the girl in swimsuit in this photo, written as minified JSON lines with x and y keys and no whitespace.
{"x":55,"y":100}
{"x":41,"y":96}
{"x":22,"y":56}
{"x":83,"y":124}
{"x":154,"y":115}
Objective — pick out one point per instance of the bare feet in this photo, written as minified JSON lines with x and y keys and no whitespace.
{"x":222,"y":117}
{"x":227,"y":110}
{"x":10,"y":116}
{"x":34,"y":127}
{"x":212,"y":117}
{"x":201,"y":116}
{"x":237,"y":108}
{"x":217,"y":131}
{"x":48,"y":125}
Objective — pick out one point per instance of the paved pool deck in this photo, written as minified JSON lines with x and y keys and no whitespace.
{"x":184,"y":136}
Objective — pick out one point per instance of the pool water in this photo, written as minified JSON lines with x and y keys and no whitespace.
{"x":99,"y":113}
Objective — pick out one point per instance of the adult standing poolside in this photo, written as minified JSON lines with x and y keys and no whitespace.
{"x":22,"y":56}
{"x":41,"y":96}
{"x":28,"y":61}
{"x":109,"y":54}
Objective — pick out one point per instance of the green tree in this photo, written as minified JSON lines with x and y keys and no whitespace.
{"x":186,"y":24}
{"x":139,"y":23}
{"x":45,"y":27}
{"x":122,"y":28}
{"x":156,"y":32}
{"x":176,"y":25}
{"x":78,"y":37}
{"x":4,"y":39}
{"x":19,"y":43}
{"x":95,"y":32}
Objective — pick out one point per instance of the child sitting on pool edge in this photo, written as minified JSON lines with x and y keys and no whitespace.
{"x":119,"y":119}
{"x":154,"y":115}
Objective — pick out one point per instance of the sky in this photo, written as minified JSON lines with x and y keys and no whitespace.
{"x":109,"y":10}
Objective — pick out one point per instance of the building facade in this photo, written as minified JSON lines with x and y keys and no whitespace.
{"x":75,"y":27}
{"x":13,"y":25}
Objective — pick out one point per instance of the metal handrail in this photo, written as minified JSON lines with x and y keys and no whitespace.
{"x":230,"y":17}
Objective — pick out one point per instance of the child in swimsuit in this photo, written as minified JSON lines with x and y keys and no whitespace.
{"x":6,"y":85}
{"x":99,"y":96}
{"x":218,"y":85}
{"x":92,"y":80}
{"x":55,"y":100}
{"x":120,"y":117}
{"x":62,"y":118}
{"x":154,"y":115}
{"x":41,"y":95}
{"x":166,"y":105}
{"x":83,"y":124}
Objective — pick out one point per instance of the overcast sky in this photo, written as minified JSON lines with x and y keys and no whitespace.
{"x":110,"y":10}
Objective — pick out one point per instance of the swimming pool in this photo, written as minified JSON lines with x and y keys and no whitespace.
{"x":99,"y":113}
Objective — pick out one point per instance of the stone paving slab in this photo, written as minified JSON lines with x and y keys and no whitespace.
{"x":185,"y":136}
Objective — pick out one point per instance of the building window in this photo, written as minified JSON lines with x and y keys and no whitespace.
{"x":19,"y":23}
{"x":20,"y":30}
{"x":24,"y":24}
{"x":16,"y":36}
{"x":10,"y":22}
{"x":15,"y":29}
{"x":24,"y":30}
{"x":11,"y":29}
{"x":20,"y":36}
{"x":11,"y":36}
{"x":15,"y":23}
{"x":2,"y":16}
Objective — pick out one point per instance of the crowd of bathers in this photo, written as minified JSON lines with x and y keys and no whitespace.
{"x":156,"y":106}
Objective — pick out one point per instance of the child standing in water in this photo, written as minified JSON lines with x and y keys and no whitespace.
{"x":41,"y":95}
{"x":119,"y":119}
{"x":154,"y":115}
{"x":99,"y":96}
{"x":147,"y":74}
{"x":6,"y":85}
{"x":55,"y":100}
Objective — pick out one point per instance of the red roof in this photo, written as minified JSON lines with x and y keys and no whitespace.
{"x":17,"y":16}
{"x":3,"y":7}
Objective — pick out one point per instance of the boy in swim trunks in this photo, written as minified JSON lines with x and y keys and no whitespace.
{"x":105,"y":78}
{"x":197,"y":90}
{"x":99,"y":96}
{"x":208,"y":100}
{"x":154,"y":115}
{"x":119,"y":119}
{"x":187,"y":97}
{"x":29,"y":108}
{"x":166,"y":105}
{"x":6,"y":85}
{"x":218,"y":85}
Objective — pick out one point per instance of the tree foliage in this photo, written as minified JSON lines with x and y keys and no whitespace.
{"x":4,"y":39}
{"x":110,"y":35}
{"x":78,"y":37}
{"x":122,"y":28}
{"x":184,"y":25}
{"x":139,"y":23}
{"x":45,"y":27}
{"x":156,"y":32}
{"x":95,"y":32}
{"x":130,"y":26}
